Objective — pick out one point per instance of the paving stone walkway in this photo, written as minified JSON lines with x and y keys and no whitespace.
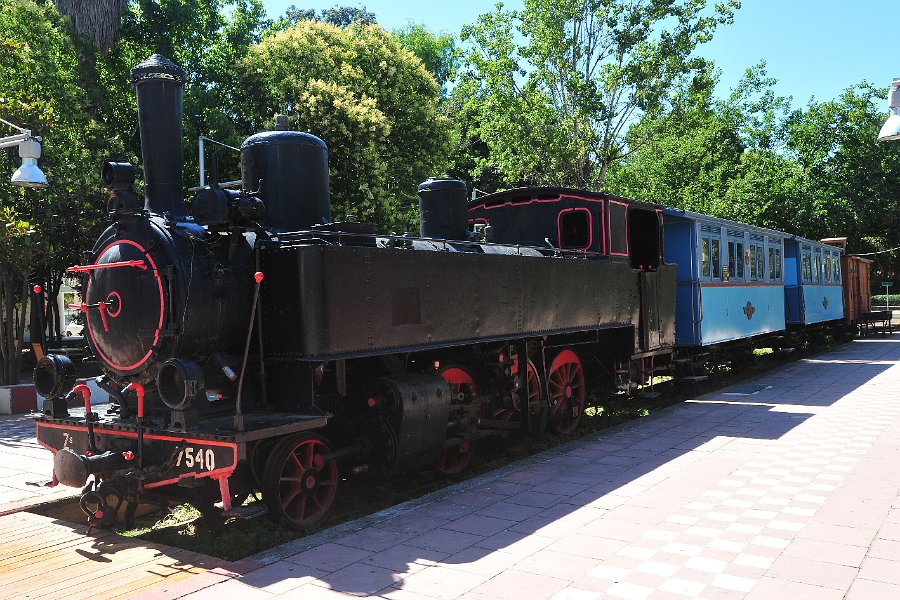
{"x":786,"y":486}
{"x":23,"y":463}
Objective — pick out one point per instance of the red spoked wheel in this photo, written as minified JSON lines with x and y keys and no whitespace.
{"x":454,"y":459}
{"x":567,"y":392}
{"x":534,"y":395}
{"x":299,"y":485}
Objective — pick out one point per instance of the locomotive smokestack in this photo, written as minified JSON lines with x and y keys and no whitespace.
{"x":158,"y":84}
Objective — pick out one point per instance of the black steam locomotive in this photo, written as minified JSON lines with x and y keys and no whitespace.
{"x":254,"y":345}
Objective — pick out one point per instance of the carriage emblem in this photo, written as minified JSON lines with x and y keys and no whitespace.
{"x":825,"y":303}
{"x":749,"y":310}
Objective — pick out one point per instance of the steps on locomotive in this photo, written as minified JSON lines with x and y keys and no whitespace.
{"x":247,"y":511}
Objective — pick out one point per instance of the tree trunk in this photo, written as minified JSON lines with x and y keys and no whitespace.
{"x":9,"y":369}
{"x":98,"y":20}
{"x":20,"y":333}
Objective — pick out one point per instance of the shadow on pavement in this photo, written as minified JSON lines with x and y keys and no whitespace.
{"x":566,"y":493}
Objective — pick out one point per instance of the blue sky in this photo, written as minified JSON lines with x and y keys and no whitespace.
{"x":812,"y":47}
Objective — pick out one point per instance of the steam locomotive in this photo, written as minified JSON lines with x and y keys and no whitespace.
{"x":255,"y":345}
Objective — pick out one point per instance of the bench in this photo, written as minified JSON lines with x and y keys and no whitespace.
{"x":876,"y":321}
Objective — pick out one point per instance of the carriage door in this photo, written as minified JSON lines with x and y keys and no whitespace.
{"x":644,"y":251}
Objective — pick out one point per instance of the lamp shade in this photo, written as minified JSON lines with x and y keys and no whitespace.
{"x":891,"y":128}
{"x":29,"y":175}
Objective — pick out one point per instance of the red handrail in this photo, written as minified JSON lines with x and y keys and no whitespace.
{"x":85,"y":392}
{"x":125,"y":263}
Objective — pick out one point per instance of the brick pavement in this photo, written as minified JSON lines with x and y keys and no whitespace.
{"x":24,"y":462}
{"x":787,"y":486}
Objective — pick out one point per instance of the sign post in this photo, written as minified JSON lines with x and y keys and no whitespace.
{"x":887,"y":293}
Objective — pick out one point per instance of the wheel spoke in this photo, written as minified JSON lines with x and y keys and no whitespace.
{"x":296,"y":462}
{"x":285,"y":502}
{"x":301,"y":509}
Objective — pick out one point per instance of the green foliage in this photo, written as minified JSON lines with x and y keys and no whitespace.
{"x":556,"y":108}
{"x":719,"y":157}
{"x":370,"y":99}
{"x":855,"y":189}
{"x":817,"y":172}
{"x":340,"y":16}
{"x":437,"y":51}
{"x":882,"y":300}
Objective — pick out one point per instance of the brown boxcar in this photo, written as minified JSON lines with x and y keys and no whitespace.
{"x":857,"y":289}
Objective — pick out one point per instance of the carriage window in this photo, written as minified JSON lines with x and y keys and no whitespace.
{"x":836,"y":268}
{"x":774,"y":259}
{"x":716,"y":264}
{"x":705,"y":251}
{"x":827,"y":268}
{"x":755,"y":258}
{"x":753,"y":271}
{"x":760,"y":262}
{"x":807,"y":266}
{"x":735,"y":260}
{"x":709,"y":249}
{"x":730,"y":267}
{"x":777,"y":264}
{"x":818,"y":264}
{"x":575,"y":229}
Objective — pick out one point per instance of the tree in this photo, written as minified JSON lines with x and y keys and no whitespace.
{"x":719,"y":157}
{"x":556,"y":108}
{"x":43,"y":230}
{"x":340,"y":16}
{"x":817,"y":172}
{"x":370,"y":99}
{"x":437,"y":51}
{"x":854,"y":177}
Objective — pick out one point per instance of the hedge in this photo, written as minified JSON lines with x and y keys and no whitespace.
{"x":881,"y":300}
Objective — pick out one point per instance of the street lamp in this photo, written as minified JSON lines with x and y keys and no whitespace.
{"x":28,"y":174}
{"x":891,"y":129}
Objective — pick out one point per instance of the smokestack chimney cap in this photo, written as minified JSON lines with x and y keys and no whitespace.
{"x":157,"y":67}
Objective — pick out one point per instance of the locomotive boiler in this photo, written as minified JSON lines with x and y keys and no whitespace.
{"x":251,"y":345}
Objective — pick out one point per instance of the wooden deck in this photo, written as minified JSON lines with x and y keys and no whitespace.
{"x":46,"y":558}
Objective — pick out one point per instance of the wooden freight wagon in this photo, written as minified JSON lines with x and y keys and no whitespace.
{"x":857,"y":292}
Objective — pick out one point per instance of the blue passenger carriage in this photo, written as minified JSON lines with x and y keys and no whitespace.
{"x":730,"y":279}
{"x":812,"y":282}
